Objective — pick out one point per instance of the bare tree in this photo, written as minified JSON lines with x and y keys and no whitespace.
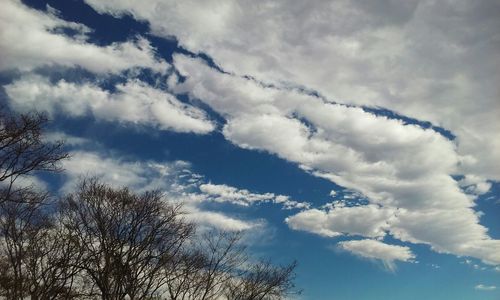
{"x":218,"y":267}
{"x":224,"y":257}
{"x":18,"y":220}
{"x":109,"y":243}
{"x":22,"y":149}
{"x":113,"y":244}
{"x":182,"y":274}
{"x":37,"y":257}
{"x":202,"y":272}
{"x":125,"y":239}
{"x":263,"y":281}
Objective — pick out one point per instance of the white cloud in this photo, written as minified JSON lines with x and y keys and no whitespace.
{"x":118,"y":172}
{"x":407,"y":56}
{"x":287,"y":203}
{"x":373,"y":249}
{"x":56,"y":136}
{"x":447,"y":231}
{"x":225,"y":193}
{"x":394,"y":165}
{"x":133,"y":102}
{"x":482,"y":287}
{"x":218,"y":220}
{"x":26,"y":181}
{"x":29,"y":39}
{"x":366,"y":220}
{"x":475,"y":184}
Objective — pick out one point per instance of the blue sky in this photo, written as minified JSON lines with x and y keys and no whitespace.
{"x":359,"y":138}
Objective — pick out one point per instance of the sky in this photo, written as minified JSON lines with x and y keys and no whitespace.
{"x":360,"y":138}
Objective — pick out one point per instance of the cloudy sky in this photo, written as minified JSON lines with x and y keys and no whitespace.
{"x":359,"y":137}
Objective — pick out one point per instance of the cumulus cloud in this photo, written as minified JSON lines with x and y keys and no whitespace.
{"x":396,"y":166}
{"x":225,"y":193}
{"x":29,"y":38}
{"x":407,"y":56}
{"x":447,"y":232}
{"x":366,"y":220}
{"x":132,"y":102}
{"x":373,"y":249}
{"x":482,"y":287}
{"x":475,"y":184}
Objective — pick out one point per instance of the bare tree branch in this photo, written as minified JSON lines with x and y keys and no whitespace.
{"x":22,"y":149}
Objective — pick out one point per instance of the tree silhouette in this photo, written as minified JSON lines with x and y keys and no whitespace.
{"x":23,"y":151}
{"x":103,"y":242}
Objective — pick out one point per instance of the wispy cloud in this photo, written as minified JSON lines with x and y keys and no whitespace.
{"x":482,"y":287}
{"x":225,"y":193}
